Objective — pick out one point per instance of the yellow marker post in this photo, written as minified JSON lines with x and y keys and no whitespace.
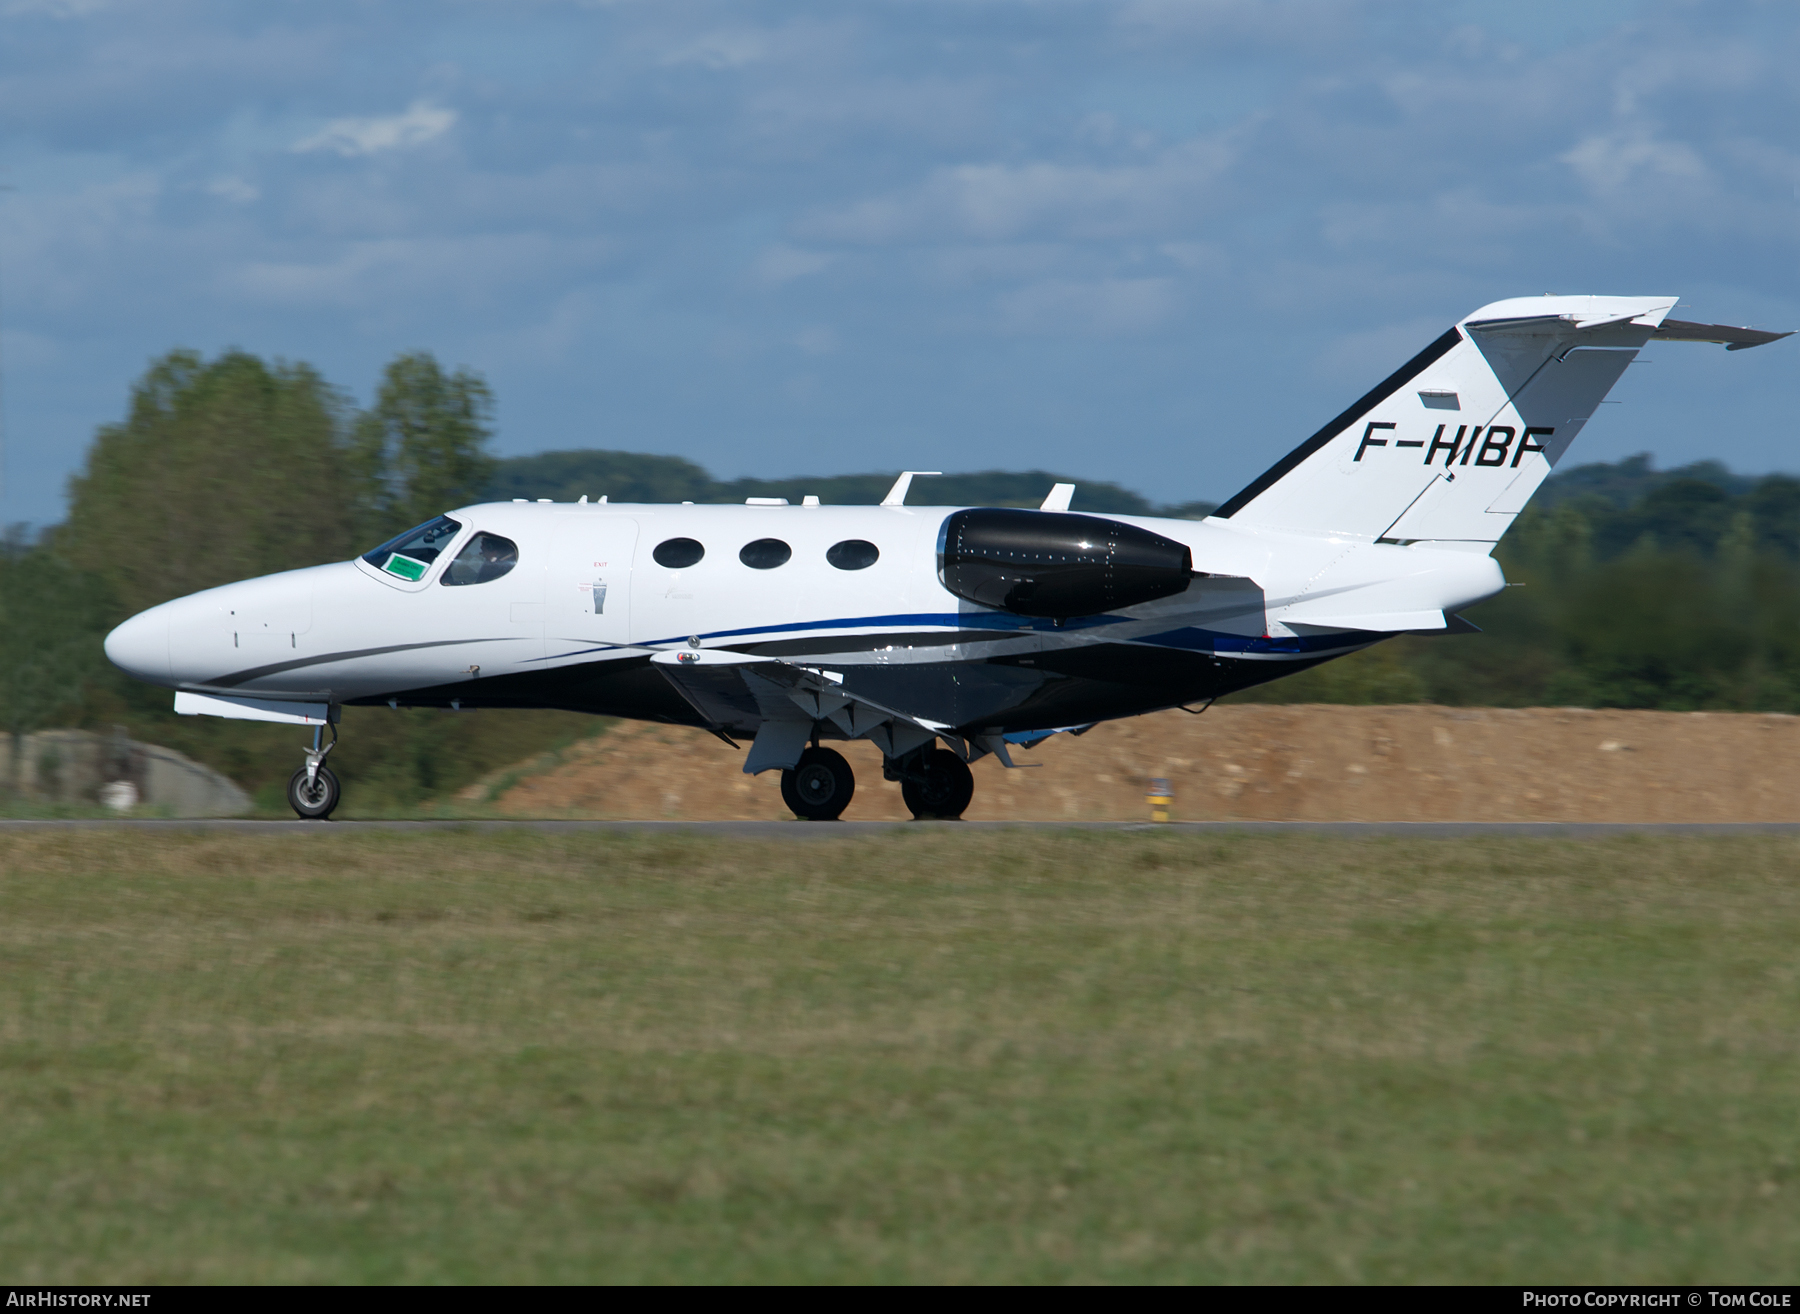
{"x":1159,"y":798}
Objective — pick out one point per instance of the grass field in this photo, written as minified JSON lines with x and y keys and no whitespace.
{"x":962,"y":1057}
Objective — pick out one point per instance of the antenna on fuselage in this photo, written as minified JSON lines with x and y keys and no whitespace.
{"x":897,"y":494}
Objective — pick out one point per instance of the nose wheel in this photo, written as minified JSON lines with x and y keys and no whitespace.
{"x":313,"y":798}
{"x":313,"y":790}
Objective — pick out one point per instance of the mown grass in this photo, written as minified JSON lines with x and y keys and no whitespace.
{"x":960,"y":1057}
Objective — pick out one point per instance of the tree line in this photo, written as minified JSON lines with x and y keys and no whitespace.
{"x":635,"y":477}
{"x":1639,"y":588}
{"x":230,"y":468}
{"x":1632,"y":587}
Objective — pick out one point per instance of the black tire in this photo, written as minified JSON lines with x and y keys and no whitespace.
{"x":314,"y":803}
{"x":819,"y":786}
{"x":946,"y":790}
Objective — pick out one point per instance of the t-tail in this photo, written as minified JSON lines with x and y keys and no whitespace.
{"x":1452,"y":444}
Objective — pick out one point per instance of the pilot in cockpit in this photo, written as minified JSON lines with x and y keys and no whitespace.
{"x":486,"y":557}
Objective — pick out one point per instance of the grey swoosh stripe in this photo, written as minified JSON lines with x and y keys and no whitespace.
{"x":257,"y":672}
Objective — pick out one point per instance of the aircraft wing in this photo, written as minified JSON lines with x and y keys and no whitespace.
{"x":781,"y":701}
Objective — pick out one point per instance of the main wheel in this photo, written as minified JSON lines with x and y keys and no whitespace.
{"x":313,"y":801}
{"x":820,"y":785}
{"x":945,"y":791}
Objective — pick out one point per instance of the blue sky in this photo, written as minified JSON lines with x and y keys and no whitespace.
{"x":1155,"y":241}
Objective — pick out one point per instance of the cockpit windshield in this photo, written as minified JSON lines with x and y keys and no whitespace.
{"x":410,"y":555}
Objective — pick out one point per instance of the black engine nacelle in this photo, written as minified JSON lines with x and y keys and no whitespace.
{"x":1048,"y":563}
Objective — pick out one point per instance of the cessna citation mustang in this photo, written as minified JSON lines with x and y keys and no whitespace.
{"x":941,"y":634}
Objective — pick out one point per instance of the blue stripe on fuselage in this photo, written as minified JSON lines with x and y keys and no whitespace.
{"x":1188,"y":637}
{"x":912,"y":620}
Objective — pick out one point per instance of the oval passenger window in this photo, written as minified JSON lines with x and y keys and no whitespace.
{"x":678,"y":553}
{"x":853,"y":554}
{"x":765,"y":554}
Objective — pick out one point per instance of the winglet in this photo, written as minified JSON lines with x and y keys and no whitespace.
{"x":1060,"y":496}
{"x":897,"y":494}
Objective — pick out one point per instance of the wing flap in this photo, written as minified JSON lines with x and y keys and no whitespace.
{"x":780,"y":703}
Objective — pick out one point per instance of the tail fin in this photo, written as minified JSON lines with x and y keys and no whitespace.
{"x":1452,"y":444}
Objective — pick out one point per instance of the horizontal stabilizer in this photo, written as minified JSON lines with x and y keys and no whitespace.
{"x":1735,"y":339}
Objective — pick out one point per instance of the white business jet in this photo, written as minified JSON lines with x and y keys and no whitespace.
{"x":940,"y":634}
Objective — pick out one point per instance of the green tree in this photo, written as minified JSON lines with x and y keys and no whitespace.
{"x":424,"y":443}
{"x":51,"y":619}
{"x":222,"y":470}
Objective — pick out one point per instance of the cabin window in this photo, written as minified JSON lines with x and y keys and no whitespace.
{"x":765,"y":554}
{"x":410,"y":555}
{"x":678,"y":553}
{"x":487,"y":557}
{"x":853,"y":554}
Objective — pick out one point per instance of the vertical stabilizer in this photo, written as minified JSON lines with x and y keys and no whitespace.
{"x":1452,"y":444}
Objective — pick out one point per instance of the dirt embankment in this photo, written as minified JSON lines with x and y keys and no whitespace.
{"x":1275,"y":763}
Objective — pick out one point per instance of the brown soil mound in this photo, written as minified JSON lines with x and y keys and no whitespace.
{"x":1274,"y":763}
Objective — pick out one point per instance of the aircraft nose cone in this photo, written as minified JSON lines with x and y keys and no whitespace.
{"x":140,"y":646}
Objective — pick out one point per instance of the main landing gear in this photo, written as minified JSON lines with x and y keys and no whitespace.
{"x":819,"y":786}
{"x":936,"y":784}
{"x":313,"y":791}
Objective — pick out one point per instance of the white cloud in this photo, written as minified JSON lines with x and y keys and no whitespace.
{"x":373,"y":274}
{"x":783,"y":264}
{"x":53,"y":8}
{"x":1290,"y":24}
{"x":1107,"y":307}
{"x":235,"y":189}
{"x":722,"y":50}
{"x":420,"y":123}
{"x":1002,"y":201}
{"x":1608,"y":161}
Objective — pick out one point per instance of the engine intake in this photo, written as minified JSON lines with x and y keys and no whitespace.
{"x":1057,"y":565}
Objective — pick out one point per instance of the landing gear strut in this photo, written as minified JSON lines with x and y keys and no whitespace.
{"x":313,"y":791}
{"x":819,"y":786}
{"x":936,"y":784}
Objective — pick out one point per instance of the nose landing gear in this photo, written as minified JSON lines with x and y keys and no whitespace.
{"x":313,"y":790}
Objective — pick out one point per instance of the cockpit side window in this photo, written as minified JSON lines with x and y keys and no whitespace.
{"x":487,"y":557}
{"x":410,"y":555}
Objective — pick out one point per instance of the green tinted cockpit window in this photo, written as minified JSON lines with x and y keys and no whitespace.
{"x":409,"y":555}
